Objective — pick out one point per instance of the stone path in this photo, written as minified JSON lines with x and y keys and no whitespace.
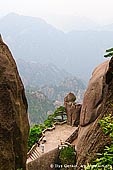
{"x":61,"y":132}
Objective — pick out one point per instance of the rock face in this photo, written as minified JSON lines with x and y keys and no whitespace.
{"x":14,"y":126}
{"x":94,"y":95}
{"x":72,"y":109}
{"x":97,"y":103}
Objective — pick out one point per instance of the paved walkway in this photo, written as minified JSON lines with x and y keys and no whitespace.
{"x":61,"y":132}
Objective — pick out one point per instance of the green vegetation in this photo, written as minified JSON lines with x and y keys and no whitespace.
{"x":36,"y":130}
{"x":107,"y":125}
{"x":59,"y":111}
{"x":109,"y":53}
{"x":67,"y":155}
{"x":56,"y":116}
{"x":105,"y":158}
{"x":35,"y":134}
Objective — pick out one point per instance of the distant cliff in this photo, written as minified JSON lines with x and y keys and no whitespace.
{"x":35,"y":73}
{"x":60,"y":90}
{"x":48,"y":97}
{"x":38,"y":106}
{"x":14,"y":126}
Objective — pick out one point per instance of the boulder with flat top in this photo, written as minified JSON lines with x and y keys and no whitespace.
{"x":72,"y":109}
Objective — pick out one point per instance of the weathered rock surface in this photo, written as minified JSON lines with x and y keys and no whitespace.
{"x":94,"y":95}
{"x":72,"y":109}
{"x":97,"y":103}
{"x":14,"y":126}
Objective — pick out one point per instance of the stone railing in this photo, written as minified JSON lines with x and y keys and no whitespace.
{"x":73,"y":136}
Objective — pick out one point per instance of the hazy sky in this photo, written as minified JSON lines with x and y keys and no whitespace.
{"x":98,"y":10}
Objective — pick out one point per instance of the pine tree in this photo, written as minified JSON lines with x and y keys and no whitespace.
{"x":109,"y":53}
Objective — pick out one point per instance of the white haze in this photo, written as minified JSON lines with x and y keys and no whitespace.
{"x":63,"y":13}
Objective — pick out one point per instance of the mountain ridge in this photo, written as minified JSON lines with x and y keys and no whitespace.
{"x":37,"y":74}
{"x":78,"y":52}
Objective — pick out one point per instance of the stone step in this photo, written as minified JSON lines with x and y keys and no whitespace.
{"x":35,"y":154}
{"x":38,"y":152}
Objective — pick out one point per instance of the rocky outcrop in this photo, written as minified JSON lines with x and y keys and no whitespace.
{"x":72,"y":109}
{"x":97,"y":103}
{"x":14,"y":126}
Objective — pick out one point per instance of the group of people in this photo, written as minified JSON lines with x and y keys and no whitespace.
{"x":42,"y":144}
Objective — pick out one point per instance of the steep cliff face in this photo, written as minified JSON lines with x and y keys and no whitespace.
{"x":97,"y":103}
{"x":14,"y":124}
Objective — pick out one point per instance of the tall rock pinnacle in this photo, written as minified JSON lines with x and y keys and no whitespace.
{"x":14,"y":125}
